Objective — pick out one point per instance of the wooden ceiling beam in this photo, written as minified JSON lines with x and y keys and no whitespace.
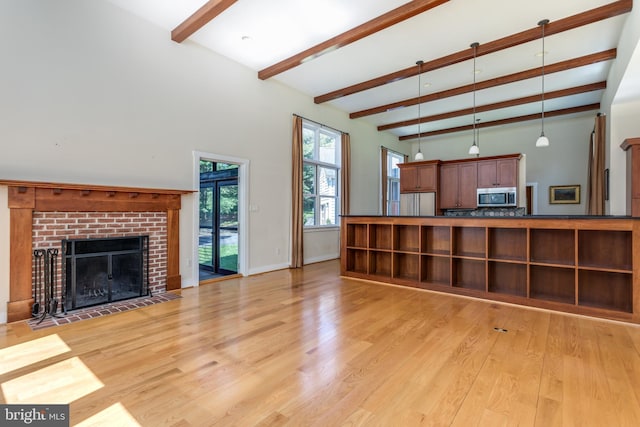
{"x":399,"y":14}
{"x":498,"y":81}
{"x":547,"y":114}
{"x":594,"y":15}
{"x":200,"y":18}
{"x":498,"y":105}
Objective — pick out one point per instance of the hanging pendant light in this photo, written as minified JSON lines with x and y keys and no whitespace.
{"x":542,"y":141}
{"x":474,"y":149}
{"x":419,"y":155}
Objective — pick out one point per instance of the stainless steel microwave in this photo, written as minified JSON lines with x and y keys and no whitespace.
{"x":497,"y":197}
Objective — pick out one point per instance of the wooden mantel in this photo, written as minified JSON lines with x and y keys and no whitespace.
{"x":25,"y":197}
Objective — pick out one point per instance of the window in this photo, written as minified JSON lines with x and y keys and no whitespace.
{"x":393,"y":183}
{"x":320,"y":175}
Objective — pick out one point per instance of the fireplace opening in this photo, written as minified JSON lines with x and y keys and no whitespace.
{"x":100,"y":271}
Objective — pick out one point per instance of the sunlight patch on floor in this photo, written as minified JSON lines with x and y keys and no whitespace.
{"x":62,"y":382}
{"x":21,"y":355}
{"x":114,"y":415}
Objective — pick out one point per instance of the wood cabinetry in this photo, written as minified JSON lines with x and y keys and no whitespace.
{"x":419,"y":177}
{"x":458,"y":185}
{"x":498,"y":173}
{"x":583,"y":266}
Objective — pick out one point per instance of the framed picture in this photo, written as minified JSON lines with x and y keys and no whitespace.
{"x":559,"y":194}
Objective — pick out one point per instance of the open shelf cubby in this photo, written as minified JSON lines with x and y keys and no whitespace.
{"x":436,"y":269}
{"x":380,"y":263}
{"x":605,"y":249}
{"x":357,"y":235}
{"x":552,"y":284}
{"x":507,"y":278}
{"x":468,"y":274}
{"x":357,"y":260}
{"x":406,"y":266}
{"x":469,"y":241}
{"x":406,"y":238}
{"x":603,"y":289}
{"x":553,"y":246}
{"x":436,"y":240}
{"x":380,"y":236}
{"x":508,"y":243}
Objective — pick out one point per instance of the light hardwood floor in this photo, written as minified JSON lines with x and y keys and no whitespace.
{"x":306,"y":347}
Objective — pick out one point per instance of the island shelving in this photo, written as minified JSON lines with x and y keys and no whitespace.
{"x":582,"y":265}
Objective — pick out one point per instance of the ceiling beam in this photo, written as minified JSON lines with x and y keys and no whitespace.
{"x":498,"y":81}
{"x":547,"y":114}
{"x":498,"y":105}
{"x":399,"y":14}
{"x":598,"y":14}
{"x":199,"y":19}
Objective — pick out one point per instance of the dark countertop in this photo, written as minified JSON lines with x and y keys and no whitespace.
{"x":505,"y":217}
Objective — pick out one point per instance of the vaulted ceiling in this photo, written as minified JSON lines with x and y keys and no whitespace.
{"x":360,"y":55}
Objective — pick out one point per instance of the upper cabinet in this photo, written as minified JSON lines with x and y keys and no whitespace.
{"x":458,"y":185}
{"x":498,"y":173}
{"x":419,"y":177}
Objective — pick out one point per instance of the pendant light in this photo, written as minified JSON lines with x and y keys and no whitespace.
{"x":419,"y":155}
{"x":542,"y":141}
{"x":474,"y":149}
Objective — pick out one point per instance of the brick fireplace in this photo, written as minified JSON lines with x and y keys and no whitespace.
{"x":43,"y":214}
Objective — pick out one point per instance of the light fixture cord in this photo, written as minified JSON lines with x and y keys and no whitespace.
{"x":419,"y":102}
{"x":543,"y":25}
{"x":475,"y":47}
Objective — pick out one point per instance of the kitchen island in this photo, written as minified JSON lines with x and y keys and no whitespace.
{"x":576,"y":264}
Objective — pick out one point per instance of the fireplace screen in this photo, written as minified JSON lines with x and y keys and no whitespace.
{"x":99,"y":271}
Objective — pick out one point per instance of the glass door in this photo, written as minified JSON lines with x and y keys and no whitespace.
{"x":226,"y":259}
{"x":218,"y":234}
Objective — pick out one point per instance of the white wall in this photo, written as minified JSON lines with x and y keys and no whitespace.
{"x":621,"y":124}
{"x":564,"y":162}
{"x":92,"y":94}
{"x":4,"y":254}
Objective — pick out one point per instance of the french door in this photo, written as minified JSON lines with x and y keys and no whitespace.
{"x":218,"y":237}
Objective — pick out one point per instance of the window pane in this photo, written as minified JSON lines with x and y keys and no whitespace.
{"x":309,"y":211}
{"x":308,"y":179}
{"x":394,"y":208}
{"x":392,"y":165}
{"x":327,"y":181}
{"x":327,"y":211}
{"x":206,"y":166}
{"x":308,"y":143}
{"x":327,"y":148}
{"x":225,"y":166}
{"x":394,"y":190}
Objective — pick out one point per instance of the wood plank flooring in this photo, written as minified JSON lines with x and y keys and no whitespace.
{"x":309,"y":348}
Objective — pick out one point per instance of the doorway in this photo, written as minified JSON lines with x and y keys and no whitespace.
{"x":218,"y":243}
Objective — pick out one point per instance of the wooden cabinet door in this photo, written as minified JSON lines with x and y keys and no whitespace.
{"x":448,"y":186}
{"x":498,"y":173}
{"x":408,"y":179}
{"x":418,"y":179}
{"x":427,"y":178}
{"x":467,"y":185}
{"x":487,"y":174}
{"x":507,"y":172}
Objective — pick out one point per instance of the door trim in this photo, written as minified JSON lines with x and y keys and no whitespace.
{"x":243,"y":209}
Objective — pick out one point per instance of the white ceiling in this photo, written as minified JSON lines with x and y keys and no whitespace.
{"x":259,"y":33}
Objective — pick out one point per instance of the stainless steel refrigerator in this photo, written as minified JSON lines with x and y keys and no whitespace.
{"x":418,"y":204}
